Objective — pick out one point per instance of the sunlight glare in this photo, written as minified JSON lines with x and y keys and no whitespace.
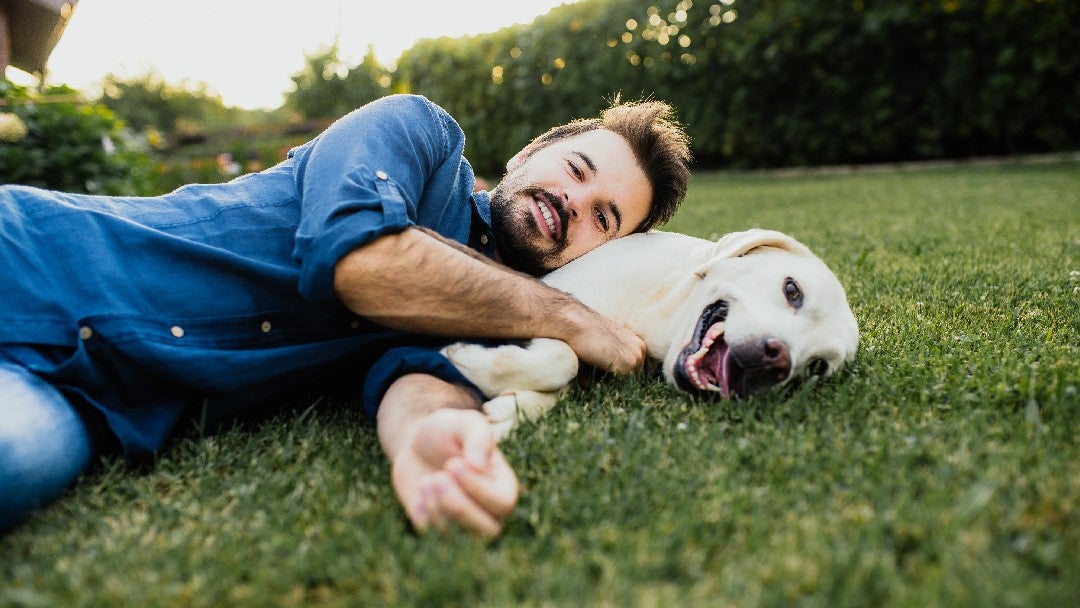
{"x":249,"y":62}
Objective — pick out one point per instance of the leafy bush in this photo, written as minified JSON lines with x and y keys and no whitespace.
{"x":507,"y":87}
{"x":818,"y":82}
{"x":775,"y":82}
{"x":327,"y":88}
{"x":66,"y":144}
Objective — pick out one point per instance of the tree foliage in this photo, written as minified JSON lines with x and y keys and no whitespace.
{"x":773,"y":82}
{"x":757,"y":82}
{"x":328,"y":88}
{"x":177,"y":111}
{"x":65,"y":144}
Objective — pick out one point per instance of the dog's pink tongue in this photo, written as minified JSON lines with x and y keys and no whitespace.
{"x":716,"y":361}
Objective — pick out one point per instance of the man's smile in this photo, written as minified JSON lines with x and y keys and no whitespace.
{"x":545,"y":207}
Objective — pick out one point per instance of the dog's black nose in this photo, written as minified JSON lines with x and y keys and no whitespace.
{"x":775,"y":358}
{"x":760,"y":364}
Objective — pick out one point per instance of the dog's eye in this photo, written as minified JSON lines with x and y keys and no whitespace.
{"x":817,"y":367}
{"x":793,"y":293}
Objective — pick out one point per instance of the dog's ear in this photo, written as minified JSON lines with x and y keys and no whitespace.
{"x":735,"y":244}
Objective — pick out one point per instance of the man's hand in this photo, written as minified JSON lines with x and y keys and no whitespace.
{"x":452,"y":472}
{"x":606,"y":345}
{"x":447,"y":468}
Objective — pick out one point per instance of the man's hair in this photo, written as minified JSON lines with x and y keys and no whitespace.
{"x":658,"y":142}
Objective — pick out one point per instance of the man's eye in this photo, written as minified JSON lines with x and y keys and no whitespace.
{"x":600,"y":217}
{"x":575,"y":170}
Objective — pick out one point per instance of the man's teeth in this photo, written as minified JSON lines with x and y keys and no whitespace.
{"x":546,"y":212}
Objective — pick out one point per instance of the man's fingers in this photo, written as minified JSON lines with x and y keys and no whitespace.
{"x":477,"y":441}
{"x":609,"y":347}
{"x":483,"y":472}
{"x":446,"y":502}
{"x":494,"y":489}
{"x":631,"y":356}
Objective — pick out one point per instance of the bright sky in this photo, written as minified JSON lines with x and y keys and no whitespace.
{"x":246,"y":50}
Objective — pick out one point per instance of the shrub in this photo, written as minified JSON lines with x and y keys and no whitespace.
{"x":775,"y":82}
{"x":66,"y":144}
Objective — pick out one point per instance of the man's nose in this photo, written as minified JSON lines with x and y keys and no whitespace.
{"x":570,"y":201}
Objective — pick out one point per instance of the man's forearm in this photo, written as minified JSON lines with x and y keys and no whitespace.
{"x":415,"y":281}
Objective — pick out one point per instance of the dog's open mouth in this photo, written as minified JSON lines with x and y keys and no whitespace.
{"x":706,"y":364}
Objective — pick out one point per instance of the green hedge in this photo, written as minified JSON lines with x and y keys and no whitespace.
{"x":57,"y":141}
{"x":775,"y":82}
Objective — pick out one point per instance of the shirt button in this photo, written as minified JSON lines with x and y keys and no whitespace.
{"x":265,"y":327}
{"x":483,"y":239}
{"x":177,"y":331}
{"x":354,"y":324}
{"x":85,"y":333}
{"x":382,"y":175}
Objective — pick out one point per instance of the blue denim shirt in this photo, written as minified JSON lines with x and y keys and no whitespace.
{"x":221,"y":296}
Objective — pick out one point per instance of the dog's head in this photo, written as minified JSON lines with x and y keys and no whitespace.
{"x":764,"y":311}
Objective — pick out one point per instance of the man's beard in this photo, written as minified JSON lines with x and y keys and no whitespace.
{"x":518,"y":239}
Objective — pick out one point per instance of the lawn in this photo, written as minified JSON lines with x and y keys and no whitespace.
{"x":941,"y":469}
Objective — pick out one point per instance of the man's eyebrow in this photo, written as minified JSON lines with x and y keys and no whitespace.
{"x":585,"y":159}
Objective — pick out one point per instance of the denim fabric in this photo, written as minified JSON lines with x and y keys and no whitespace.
{"x":44,"y":445}
{"x":220,"y":297}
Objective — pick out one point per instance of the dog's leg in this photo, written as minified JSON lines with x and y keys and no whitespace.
{"x":508,"y":410}
{"x":543,"y":364}
{"x":520,"y":382}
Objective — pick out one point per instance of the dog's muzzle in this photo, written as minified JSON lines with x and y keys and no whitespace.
{"x":709,"y":365}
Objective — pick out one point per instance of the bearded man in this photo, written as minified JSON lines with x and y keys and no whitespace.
{"x":350,"y":261}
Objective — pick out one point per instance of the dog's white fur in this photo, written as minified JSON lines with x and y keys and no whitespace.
{"x":658,"y":284}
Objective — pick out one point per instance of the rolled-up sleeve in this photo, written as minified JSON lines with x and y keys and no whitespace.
{"x":363,"y":178}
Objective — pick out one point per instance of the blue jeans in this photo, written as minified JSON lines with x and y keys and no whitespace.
{"x":44,"y":443}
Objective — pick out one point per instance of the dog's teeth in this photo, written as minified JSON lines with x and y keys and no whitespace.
{"x":693,"y":372}
{"x":696,"y":377}
{"x":715,"y":331}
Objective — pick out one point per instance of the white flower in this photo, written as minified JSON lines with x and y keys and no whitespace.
{"x":12,"y":128}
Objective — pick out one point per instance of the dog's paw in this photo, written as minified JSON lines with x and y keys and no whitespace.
{"x":502,"y":413}
{"x":543,"y":364}
{"x":508,"y":410}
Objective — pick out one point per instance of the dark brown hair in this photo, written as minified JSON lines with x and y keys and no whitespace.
{"x":658,"y":142}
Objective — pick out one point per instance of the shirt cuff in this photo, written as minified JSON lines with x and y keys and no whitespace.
{"x":409,"y":360}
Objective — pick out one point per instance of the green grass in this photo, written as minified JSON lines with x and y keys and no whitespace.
{"x":941,"y":469}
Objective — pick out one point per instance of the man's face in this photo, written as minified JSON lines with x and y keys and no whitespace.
{"x":566,"y":199}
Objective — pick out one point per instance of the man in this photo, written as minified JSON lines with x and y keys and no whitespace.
{"x":123,"y":316}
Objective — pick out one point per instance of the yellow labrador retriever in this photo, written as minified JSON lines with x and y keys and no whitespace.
{"x":730,"y":318}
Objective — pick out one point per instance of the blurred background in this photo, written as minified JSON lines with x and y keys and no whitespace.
{"x":140,"y":96}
